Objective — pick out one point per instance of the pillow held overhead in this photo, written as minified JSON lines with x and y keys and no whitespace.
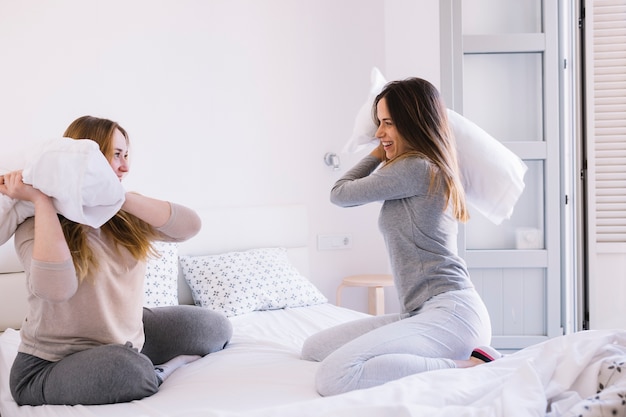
{"x":492,"y":175}
{"x":364,"y":127}
{"x":76,"y":175}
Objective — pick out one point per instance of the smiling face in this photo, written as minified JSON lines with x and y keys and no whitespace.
{"x":119,"y":158}
{"x":393,"y":143}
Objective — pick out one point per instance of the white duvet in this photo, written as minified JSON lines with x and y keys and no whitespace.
{"x":260,"y":375}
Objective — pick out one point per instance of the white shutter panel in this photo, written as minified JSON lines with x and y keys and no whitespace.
{"x":608,"y":114}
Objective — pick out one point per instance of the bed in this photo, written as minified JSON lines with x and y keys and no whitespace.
{"x":260,"y":372}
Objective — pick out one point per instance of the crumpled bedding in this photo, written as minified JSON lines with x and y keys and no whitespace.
{"x":78,"y":177}
{"x":260,"y":375}
{"x":578,"y":375}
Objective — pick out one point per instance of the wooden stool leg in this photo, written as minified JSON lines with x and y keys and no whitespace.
{"x":339,"y":288}
{"x":376,"y":300}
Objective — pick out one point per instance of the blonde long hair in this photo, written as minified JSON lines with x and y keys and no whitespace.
{"x":124,"y":229}
{"x":420,"y":116}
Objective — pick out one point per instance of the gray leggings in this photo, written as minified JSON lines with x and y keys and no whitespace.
{"x":374,"y":350}
{"x":119,"y":373}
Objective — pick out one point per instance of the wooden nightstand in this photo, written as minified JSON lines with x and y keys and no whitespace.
{"x":375,"y":284}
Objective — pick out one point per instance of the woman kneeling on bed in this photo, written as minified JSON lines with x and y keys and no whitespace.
{"x":443,"y":318}
{"x":86,"y":338}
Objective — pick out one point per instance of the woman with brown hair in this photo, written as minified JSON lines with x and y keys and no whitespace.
{"x":86,"y":338}
{"x":414,"y":172}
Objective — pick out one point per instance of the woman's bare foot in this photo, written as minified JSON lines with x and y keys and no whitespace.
{"x":480,"y":355}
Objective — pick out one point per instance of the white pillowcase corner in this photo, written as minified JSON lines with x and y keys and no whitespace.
{"x":363,"y":133}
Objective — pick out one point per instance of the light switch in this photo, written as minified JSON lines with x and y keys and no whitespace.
{"x":334,"y":242}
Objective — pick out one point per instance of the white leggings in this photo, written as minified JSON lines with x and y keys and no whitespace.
{"x":374,"y":350}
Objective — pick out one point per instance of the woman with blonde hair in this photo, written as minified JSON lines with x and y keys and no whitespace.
{"x":414,"y":172}
{"x":86,"y":338}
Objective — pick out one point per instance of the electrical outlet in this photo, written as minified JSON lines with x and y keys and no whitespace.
{"x":334,"y":242}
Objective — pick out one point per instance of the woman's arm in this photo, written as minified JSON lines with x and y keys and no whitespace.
{"x":177,"y":222}
{"x":150,"y":210}
{"x":364,"y":184}
{"x":41,"y":244}
{"x":49,"y":242}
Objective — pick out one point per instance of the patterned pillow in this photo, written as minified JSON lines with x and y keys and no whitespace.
{"x":161,"y":280}
{"x":235,"y":283}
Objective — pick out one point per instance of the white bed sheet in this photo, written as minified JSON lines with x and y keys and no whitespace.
{"x":260,"y":374}
{"x":261,"y":367}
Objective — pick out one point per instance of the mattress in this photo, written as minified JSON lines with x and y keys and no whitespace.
{"x":260,"y":374}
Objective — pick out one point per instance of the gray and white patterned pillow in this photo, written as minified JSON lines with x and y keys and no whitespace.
{"x":235,"y":283}
{"x":161,"y":280}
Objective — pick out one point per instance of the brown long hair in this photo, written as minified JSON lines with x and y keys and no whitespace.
{"x":124,"y":229}
{"x":421,"y":118}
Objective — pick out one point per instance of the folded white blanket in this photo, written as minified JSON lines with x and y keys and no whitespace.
{"x":76,"y":175}
{"x":492,"y":175}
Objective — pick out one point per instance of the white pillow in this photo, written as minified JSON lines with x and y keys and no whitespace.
{"x":364,"y":126}
{"x":161,"y":280}
{"x":236,"y":283}
{"x":76,"y":175}
{"x":492,"y":175}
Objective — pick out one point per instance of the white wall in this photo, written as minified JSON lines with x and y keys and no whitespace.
{"x":228,"y":102}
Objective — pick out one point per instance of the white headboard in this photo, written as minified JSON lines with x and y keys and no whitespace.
{"x":8,"y":259}
{"x":12,"y":288}
{"x":224,"y":229}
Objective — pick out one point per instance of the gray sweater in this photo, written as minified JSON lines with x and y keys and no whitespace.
{"x":420,"y":236}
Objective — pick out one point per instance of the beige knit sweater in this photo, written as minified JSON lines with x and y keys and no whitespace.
{"x":66,"y":317}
